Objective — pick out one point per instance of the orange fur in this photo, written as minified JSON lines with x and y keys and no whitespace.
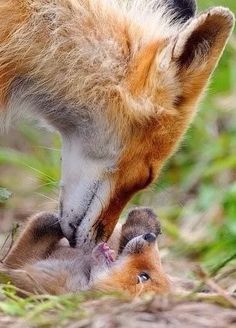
{"x":120,"y":63}
{"x":40,"y":241}
{"x":124,"y":277}
{"x":140,"y":66}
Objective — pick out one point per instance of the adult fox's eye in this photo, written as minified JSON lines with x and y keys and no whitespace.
{"x":143,"y":277}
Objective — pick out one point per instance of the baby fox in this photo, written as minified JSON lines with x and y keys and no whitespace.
{"x":40,"y":263}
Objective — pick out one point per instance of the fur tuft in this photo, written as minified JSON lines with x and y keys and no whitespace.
{"x":75,"y":52}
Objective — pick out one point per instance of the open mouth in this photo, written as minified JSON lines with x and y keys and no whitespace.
{"x":104,"y":250}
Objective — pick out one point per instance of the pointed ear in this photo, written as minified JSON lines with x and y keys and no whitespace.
{"x":198,"y":49}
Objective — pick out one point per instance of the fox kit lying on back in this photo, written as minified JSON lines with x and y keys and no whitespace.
{"x":39,"y":263}
{"x":120,"y":80}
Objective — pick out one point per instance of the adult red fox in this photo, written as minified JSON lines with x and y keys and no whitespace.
{"x":39,"y":263}
{"x":120,"y":80}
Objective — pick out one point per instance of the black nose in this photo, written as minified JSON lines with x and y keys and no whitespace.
{"x":150,"y":237}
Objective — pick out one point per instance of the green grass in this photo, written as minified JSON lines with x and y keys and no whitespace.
{"x":47,"y":310}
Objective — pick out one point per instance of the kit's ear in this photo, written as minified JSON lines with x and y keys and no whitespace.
{"x":198,"y":48}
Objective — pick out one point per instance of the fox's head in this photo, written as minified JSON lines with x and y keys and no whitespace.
{"x":134,"y":72}
{"x":120,"y":80}
{"x":138,"y":268}
{"x":156,"y":65}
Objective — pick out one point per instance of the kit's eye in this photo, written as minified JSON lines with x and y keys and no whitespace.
{"x":143,"y":277}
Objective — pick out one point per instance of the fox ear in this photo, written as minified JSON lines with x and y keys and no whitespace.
{"x":198,"y":49}
{"x":182,"y":10}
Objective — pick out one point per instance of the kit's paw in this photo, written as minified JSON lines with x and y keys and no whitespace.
{"x":43,"y":224}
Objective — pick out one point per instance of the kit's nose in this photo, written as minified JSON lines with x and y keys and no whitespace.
{"x":150,"y":237}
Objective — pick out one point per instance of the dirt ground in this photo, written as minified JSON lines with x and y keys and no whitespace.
{"x":156,"y":312}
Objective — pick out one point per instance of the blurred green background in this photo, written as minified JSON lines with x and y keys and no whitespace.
{"x":195,"y":196}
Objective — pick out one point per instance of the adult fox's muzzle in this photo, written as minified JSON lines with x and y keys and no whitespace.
{"x":120,"y":81}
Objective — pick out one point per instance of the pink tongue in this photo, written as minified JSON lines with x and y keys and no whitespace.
{"x":105,"y":247}
{"x":112,"y":256}
{"x":109,"y":254}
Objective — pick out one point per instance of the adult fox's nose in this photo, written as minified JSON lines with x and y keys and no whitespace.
{"x":150,"y":237}
{"x":72,"y":235}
